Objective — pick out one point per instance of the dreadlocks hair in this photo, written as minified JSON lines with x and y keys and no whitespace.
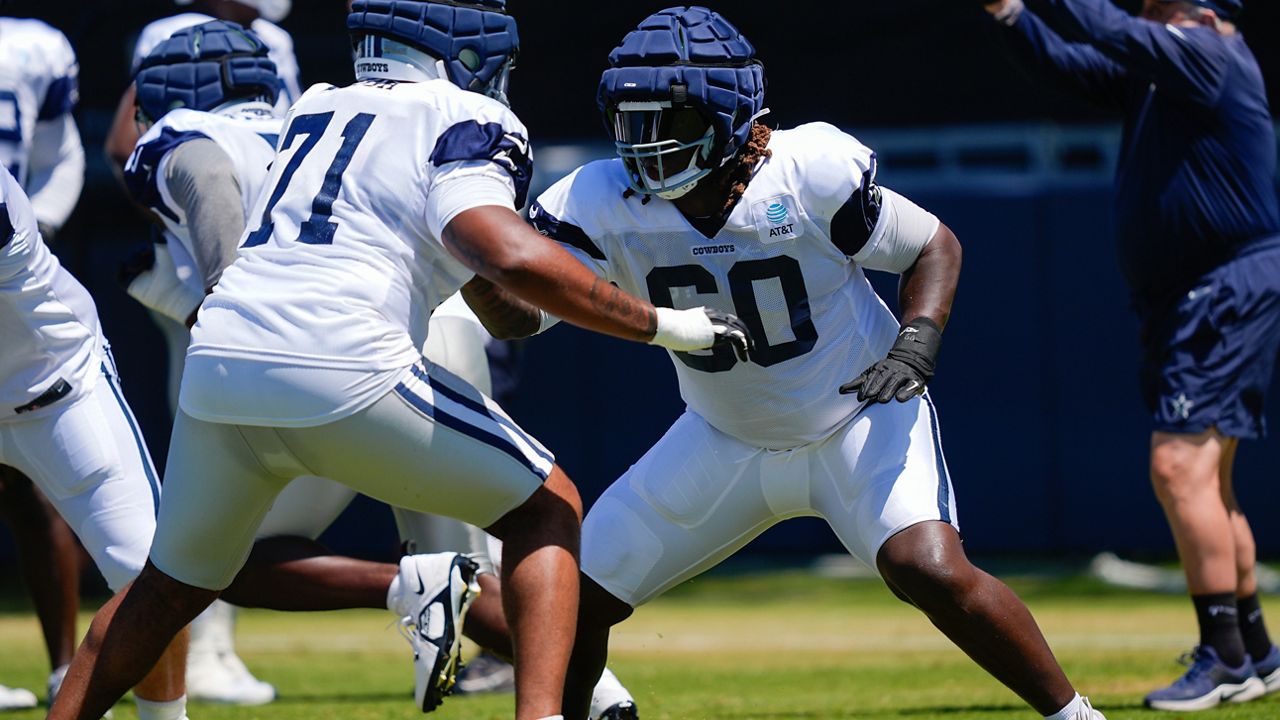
{"x":737,"y":173}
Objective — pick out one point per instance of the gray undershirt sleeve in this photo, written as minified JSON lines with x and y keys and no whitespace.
{"x":202,"y":180}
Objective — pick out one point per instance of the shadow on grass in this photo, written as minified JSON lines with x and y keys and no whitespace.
{"x":347,"y":698}
{"x":930,"y":711}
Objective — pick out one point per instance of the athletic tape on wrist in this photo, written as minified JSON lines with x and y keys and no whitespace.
{"x":683,"y":330}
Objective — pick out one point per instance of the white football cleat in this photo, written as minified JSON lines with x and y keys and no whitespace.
{"x":214,"y":673}
{"x":1086,"y":712}
{"x":486,"y":673}
{"x":435,"y":593}
{"x":611,"y":701}
{"x":17,"y":698}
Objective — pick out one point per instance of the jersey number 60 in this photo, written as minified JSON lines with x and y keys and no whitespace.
{"x":742,"y":278}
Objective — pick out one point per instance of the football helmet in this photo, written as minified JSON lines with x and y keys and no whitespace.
{"x":681,"y":71}
{"x":472,"y":44}
{"x":204,"y":67}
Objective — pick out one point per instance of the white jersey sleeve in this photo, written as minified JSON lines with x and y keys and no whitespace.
{"x":49,"y":323}
{"x":565,"y":210}
{"x":247,"y":133}
{"x":876,"y":227}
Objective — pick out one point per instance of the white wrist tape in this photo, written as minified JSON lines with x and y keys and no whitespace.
{"x":160,"y":289}
{"x":684,"y":330}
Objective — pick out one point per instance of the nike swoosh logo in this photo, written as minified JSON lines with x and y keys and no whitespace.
{"x":421,"y":588}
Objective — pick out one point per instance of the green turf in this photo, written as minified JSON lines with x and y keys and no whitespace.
{"x":770,"y":645}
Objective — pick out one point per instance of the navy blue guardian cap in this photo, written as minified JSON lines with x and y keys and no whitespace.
{"x":680,"y":59}
{"x":472,"y":44}
{"x":204,"y":67}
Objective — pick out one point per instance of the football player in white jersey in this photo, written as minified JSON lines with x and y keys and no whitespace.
{"x":212,"y":643}
{"x":199,"y":169}
{"x":40,"y":145}
{"x":64,"y":424}
{"x":829,"y":418}
{"x":260,"y":16}
{"x":39,"y":141}
{"x":385,"y":197}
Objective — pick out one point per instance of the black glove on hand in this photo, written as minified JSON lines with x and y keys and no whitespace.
{"x":904,"y":373}
{"x":730,"y":331}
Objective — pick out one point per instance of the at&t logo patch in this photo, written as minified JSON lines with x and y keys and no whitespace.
{"x":777,"y":219}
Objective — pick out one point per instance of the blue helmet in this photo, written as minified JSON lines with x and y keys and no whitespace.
{"x":681,"y":58}
{"x":472,"y":43}
{"x":203,"y":67}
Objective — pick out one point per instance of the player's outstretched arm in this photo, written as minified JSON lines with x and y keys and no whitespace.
{"x":496,"y":244}
{"x":925,"y":294}
{"x":504,"y":315}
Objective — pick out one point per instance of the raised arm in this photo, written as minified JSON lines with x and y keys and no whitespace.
{"x":1188,"y":61}
{"x":1074,"y":66}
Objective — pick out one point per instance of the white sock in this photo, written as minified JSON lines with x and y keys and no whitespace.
{"x":553,"y":717}
{"x":171,"y":710}
{"x":393,"y":595}
{"x":1069,"y":711}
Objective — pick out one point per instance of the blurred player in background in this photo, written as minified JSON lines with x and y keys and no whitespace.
{"x":708,"y":206}
{"x":199,"y":167}
{"x":216,"y":673}
{"x":64,"y":424}
{"x":40,"y":146}
{"x":306,"y":357}
{"x":1198,"y":228}
{"x":260,"y":16}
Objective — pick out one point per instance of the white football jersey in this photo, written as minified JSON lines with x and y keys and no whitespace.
{"x":52,"y":340}
{"x":278,"y":41}
{"x":343,"y":263}
{"x":246,"y":132}
{"x":816,"y":321}
{"x":38,"y":82}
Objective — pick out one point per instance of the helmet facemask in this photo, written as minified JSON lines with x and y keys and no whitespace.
{"x":666,"y":150}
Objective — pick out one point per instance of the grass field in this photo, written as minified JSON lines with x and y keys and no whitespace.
{"x":767,"y":645}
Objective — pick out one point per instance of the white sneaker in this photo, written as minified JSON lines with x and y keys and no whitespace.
{"x":17,"y":698}
{"x":486,"y":673}
{"x":214,"y":673}
{"x":209,"y":680}
{"x":611,"y":701}
{"x":252,"y":691}
{"x":1086,"y":712}
{"x":435,"y":593}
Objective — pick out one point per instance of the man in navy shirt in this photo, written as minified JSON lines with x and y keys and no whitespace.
{"x":1198,"y":230}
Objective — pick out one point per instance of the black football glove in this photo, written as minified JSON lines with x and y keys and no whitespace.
{"x":730,"y":331}
{"x":904,"y":373}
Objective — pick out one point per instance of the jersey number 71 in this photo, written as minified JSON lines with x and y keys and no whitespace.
{"x":319,"y":229}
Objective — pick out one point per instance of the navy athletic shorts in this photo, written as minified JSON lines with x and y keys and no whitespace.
{"x":1207,"y":361}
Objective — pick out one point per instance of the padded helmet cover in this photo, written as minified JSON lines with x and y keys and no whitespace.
{"x":692,"y":57}
{"x":203,"y":67}
{"x":477,"y":41}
